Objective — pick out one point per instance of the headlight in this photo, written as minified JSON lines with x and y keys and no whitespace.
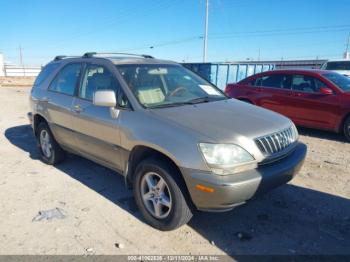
{"x":225,"y":155}
{"x":295,"y":134}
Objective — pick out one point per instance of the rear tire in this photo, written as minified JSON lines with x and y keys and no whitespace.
{"x":158,"y":195}
{"x":50,"y":151}
{"x":346,"y":128}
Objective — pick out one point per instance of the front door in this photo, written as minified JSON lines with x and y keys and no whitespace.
{"x":97,"y":132}
{"x":275,"y":93}
{"x":311,"y":108}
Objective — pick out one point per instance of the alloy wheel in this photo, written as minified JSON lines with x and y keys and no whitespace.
{"x":156,"y":195}
{"x":45,"y":143}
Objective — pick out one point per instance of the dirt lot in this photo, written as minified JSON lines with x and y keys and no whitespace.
{"x":311,"y":215}
{"x":25,"y":81}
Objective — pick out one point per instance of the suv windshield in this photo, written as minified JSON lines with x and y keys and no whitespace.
{"x":339,"y":80}
{"x":168,"y":85}
{"x":342,"y":65}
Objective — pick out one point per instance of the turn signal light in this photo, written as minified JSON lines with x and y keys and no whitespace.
{"x":205,"y":189}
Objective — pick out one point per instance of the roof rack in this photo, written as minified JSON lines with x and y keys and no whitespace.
{"x":60,"y":57}
{"x":92,"y":54}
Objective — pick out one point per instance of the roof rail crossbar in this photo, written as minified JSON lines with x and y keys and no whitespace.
{"x":60,"y":57}
{"x":91,"y":54}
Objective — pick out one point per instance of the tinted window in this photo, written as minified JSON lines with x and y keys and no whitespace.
{"x":274,"y":81}
{"x":306,"y":83}
{"x":67,"y":79}
{"x":254,"y":82}
{"x":96,"y":78}
{"x":45,"y":72}
{"x":341,"y":65}
{"x":339,"y":80}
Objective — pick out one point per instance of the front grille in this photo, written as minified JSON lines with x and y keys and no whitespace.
{"x":274,"y":143}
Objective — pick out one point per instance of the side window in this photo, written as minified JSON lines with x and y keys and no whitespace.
{"x":253,"y":82}
{"x":45,"y":72}
{"x":258,"y":81}
{"x":67,"y":79}
{"x":304,"y":83}
{"x":279,"y":81}
{"x":96,"y":78}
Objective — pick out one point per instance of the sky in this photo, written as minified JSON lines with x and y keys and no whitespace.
{"x":173,"y":29}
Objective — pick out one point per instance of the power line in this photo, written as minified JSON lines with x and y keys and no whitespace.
{"x":121,"y":19}
{"x":278,"y":33}
{"x":314,"y":28}
{"x":162,"y":44}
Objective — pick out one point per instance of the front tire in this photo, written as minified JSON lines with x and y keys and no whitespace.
{"x":158,"y":195}
{"x":50,"y":151}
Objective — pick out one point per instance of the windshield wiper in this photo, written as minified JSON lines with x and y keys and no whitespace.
{"x":169,"y":105}
{"x":204,"y":99}
{"x":198,"y":100}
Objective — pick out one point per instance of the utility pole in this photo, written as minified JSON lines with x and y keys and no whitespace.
{"x":20,"y":55}
{"x":347,"y":54}
{"x":205,"y":47}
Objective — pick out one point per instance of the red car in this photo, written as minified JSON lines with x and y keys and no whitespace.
{"x":311,"y":98}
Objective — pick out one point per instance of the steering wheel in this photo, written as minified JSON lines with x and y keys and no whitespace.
{"x":177,"y":90}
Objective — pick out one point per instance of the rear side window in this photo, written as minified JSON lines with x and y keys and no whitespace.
{"x":67,"y":79}
{"x":279,"y":81}
{"x":44,"y":74}
{"x":96,"y":78}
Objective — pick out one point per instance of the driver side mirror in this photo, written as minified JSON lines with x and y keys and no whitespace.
{"x":105,"y":98}
{"x":326,"y":91}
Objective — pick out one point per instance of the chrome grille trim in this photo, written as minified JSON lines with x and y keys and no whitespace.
{"x":275,"y":143}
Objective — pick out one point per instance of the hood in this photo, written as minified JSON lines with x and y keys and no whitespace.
{"x":225,"y":121}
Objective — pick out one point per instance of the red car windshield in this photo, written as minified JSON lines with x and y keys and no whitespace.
{"x":339,"y":80}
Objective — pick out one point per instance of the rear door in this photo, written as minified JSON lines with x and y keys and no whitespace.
{"x":275,"y":93}
{"x":96,"y":131}
{"x":59,"y":102}
{"x":311,"y":108}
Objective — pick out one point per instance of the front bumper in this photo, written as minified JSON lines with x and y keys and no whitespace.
{"x":232,"y":190}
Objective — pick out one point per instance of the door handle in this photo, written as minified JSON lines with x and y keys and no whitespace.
{"x":77,"y":108}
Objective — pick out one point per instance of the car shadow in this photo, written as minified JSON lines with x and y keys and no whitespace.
{"x":321,"y":134}
{"x":100,"y":179}
{"x":289,"y":220}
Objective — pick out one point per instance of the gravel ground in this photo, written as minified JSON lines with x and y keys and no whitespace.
{"x":93,"y":213}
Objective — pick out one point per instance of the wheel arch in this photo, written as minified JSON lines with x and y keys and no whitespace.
{"x":142,"y":152}
{"x":37,"y":119}
{"x":340,"y":127}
